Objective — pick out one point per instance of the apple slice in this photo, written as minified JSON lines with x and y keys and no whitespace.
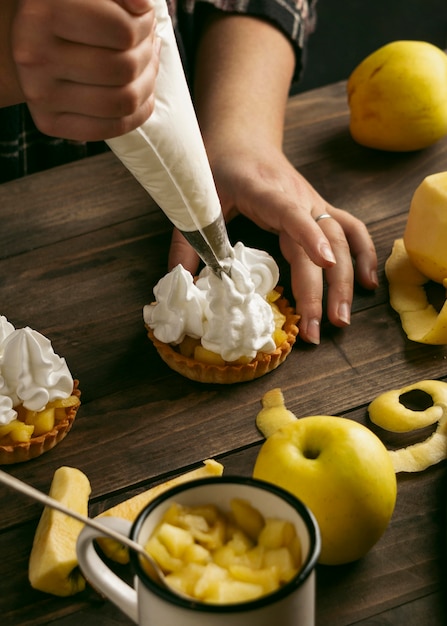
{"x":53,"y":565}
{"x":129,"y":509}
{"x":274,"y":413}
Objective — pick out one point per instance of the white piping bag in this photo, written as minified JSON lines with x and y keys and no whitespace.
{"x":168,"y":158}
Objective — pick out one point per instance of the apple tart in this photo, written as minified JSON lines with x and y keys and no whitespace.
{"x":32,"y":433}
{"x":38,"y":397}
{"x":190,"y":359}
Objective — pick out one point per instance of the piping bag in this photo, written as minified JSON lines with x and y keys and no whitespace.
{"x":167,"y":156}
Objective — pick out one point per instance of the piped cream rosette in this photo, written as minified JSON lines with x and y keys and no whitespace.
{"x":38,"y":397}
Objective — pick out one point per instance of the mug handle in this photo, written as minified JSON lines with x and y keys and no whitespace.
{"x":99,"y":575}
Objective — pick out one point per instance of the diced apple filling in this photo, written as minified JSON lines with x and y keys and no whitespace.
{"x":192,"y":348}
{"x":225,"y":557}
{"x":34,"y":423}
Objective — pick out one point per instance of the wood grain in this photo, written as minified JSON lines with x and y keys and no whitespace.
{"x":81,"y":248}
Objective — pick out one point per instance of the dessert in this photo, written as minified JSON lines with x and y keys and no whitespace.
{"x":224,"y":329}
{"x":38,"y":397}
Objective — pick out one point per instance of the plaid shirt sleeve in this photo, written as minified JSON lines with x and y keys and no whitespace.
{"x":295,"y":18}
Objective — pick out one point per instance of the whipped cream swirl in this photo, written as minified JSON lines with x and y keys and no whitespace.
{"x":6,"y":328}
{"x":230,"y":315}
{"x":31,"y":373}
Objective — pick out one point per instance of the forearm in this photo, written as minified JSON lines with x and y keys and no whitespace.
{"x":243,"y":72}
{"x":10,"y":91}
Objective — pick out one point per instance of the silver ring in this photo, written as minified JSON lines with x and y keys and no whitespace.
{"x":323,"y":216}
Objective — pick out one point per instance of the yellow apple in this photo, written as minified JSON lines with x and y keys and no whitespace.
{"x":425,"y":234}
{"x":342,"y":471}
{"x":397,"y":97}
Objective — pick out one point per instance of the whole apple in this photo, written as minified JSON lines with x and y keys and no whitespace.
{"x":342,"y":471}
{"x":397,"y":97}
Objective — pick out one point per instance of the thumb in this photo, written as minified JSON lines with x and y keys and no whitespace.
{"x":136,"y":7}
{"x":182,"y":252}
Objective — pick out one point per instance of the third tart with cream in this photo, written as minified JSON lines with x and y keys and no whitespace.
{"x":38,"y":397}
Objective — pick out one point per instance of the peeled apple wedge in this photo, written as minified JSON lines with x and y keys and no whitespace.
{"x":129,"y":509}
{"x":53,"y":565}
{"x":425,"y":236}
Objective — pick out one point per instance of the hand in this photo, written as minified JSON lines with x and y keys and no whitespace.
{"x":262,"y":184}
{"x":87,"y":69}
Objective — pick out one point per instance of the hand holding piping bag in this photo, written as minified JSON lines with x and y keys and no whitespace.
{"x":167,"y":156}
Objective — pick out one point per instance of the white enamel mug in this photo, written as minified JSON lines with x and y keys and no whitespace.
{"x":149,"y":604}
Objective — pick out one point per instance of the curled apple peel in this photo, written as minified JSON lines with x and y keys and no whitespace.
{"x":420,"y":320}
{"x":389,"y":412}
{"x":420,"y":456}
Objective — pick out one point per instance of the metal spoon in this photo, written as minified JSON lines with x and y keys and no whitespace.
{"x":35,"y":494}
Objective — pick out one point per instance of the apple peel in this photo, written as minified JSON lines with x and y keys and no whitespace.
{"x":420,"y":456}
{"x":274,"y":414}
{"x":388,"y":412}
{"x":420,"y":320}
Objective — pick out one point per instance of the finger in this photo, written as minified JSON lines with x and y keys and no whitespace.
{"x":104,"y":24}
{"x":84,"y":127}
{"x":362,"y":248}
{"x":307,"y":288}
{"x":340,"y":278}
{"x":292,"y":217}
{"x":105,"y":67}
{"x":136,"y":6}
{"x":181,"y":252}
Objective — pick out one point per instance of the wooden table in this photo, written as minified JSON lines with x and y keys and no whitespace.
{"x":81,"y":248}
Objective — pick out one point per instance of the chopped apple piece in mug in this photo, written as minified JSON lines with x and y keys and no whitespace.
{"x":225,"y":557}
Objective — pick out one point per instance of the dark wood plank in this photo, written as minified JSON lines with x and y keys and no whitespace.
{"x":82,"y":250}
{"x":405,"y":566}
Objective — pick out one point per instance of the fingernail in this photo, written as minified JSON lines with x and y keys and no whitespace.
{"x":313,"y":331}
{"x":326,"y":253}
{"x":374,"y":278}
{"x":344,"y":313}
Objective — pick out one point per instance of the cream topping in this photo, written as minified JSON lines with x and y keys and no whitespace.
{"x":31,"y":372}
{"x":6,"y":328}
{"x":230,"y":314}
{"x":7,"y":413}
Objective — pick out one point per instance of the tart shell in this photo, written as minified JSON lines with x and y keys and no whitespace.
{"x":25,"y":451}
